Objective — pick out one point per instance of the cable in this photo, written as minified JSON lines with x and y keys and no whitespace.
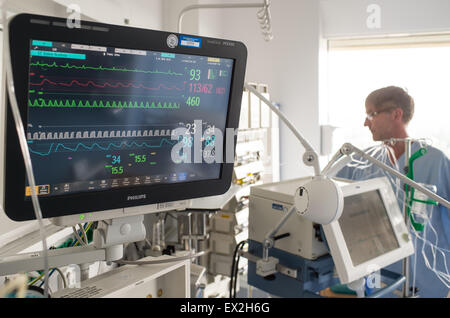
{"x":78,"y":237}
{"x":79,"y":240}
{"x":234,"y":268}
{"x":60,"y":274}
{"x":264,"y":19}
{"x":236,"y":271}
{"x":83,"y":231}
{"x":262,"y":15}
{"x":49,"y":275}
{"x":23,"y":141}
{"x":62,"y":277}
{"x":36,"y":279}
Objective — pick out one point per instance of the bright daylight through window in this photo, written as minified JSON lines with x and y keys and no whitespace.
{"x":422,"y":70}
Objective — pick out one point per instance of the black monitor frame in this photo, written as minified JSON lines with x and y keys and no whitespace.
{"x":23,"y":28}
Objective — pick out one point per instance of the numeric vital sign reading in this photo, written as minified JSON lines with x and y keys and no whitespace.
{"x":103,"y":117}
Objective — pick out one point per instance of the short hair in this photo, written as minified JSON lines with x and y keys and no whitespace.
{"x":393,"y":96}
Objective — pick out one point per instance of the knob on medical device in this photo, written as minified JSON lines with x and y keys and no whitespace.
{"x":320,"y":200}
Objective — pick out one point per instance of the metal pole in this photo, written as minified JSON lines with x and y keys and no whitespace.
{"x":405,"y":262}
{"x":298,"y":135}
{"x":215,"y":6}
{"x":268,"y":239}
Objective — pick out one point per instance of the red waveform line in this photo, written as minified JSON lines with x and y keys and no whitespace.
{"x":116,"y":85}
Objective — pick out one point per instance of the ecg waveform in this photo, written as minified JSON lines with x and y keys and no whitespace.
{"x":105,"y":85}
{"x":102,"y":68}
{"x":54,"y":148}
{"x":101,"y":104}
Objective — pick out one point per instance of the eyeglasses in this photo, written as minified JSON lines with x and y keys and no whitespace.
{"x":372,"y":115}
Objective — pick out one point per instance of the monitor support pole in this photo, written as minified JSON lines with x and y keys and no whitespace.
{"x":405,"y":261}
{"x":310,"y":157}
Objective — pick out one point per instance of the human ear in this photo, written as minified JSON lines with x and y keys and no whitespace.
{"x":398,"y":114}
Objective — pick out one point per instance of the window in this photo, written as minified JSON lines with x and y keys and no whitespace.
{"x":421,"y":65}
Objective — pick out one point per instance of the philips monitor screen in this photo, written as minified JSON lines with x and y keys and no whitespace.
{"x":113,"y":113}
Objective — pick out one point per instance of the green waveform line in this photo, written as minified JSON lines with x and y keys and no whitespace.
{"x":101,"y":68}
{"x":100,"y":104}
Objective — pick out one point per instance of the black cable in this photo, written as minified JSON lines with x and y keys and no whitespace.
{"x":236,"y":271}
{"x":232,"y":271}
{"x":234,"y":267}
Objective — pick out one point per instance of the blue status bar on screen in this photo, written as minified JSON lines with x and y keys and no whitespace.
{"x":58,"y":55}
{"x":42,"y":43}
{"x":168,"y":55}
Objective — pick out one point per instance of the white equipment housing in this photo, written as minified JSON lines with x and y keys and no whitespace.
{"x":371,"y":233}
{"x":268,"y":205}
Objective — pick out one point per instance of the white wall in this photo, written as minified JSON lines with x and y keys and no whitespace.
{"x":140,"y":13}
{"x":344,"y":18}
{"x":44,"y":7}
{"x":289,"y":64}
{"x":171,"y":12}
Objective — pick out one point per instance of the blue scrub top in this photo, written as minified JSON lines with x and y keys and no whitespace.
{"x":434,"y":169}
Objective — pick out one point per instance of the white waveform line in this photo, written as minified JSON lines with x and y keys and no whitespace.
{"x":98,"y":134}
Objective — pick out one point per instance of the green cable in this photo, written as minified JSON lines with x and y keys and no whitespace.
{"x":410,"y":190}
{"x":68,"y":243}
{"x":35,"y":280}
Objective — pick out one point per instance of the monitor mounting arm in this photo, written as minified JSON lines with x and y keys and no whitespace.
{"x":109,"y":238}
{"x":310,"y":157}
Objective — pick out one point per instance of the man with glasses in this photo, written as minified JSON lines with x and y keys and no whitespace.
{"x":389,"y":111}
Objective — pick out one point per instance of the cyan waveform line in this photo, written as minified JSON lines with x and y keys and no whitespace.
{"x":144,"y":144}
{"x":101,"y":68}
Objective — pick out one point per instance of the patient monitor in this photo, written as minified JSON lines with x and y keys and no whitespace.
{"x":118,"y":120}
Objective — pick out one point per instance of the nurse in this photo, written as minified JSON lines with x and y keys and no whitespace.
{"x":389,"y":110}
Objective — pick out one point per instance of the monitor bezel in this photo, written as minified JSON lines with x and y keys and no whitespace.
{"x":348,"y":272}
{"x":22,"y":29}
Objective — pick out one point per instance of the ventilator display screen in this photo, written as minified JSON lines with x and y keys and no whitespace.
{"x":104,"y":117}
{"x":366,"y":227}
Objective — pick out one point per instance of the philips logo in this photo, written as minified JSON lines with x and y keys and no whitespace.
{"x":228,"y":43}
{"x":136,"y":197}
